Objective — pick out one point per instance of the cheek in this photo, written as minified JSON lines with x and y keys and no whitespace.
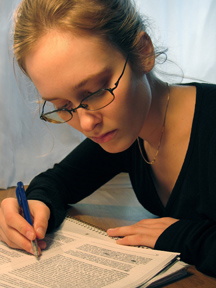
{"x":133,"y":107}
{"x":121,"y":106}
{"x":74,"y":123}
{"x":141,"y":99}
{"x":131,"y":102}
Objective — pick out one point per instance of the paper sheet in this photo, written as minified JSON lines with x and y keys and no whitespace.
{"x":74,"y":260}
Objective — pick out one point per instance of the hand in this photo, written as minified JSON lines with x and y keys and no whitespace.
{"x":145,"y":232}
{"x":16,"y":232}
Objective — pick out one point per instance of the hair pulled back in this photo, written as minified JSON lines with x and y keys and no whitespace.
{"x":115,"y":20}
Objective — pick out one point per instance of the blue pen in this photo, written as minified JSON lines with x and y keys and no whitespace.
{"x":21,"y":197}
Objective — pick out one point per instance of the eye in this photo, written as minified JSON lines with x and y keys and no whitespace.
{"x":67,"y":105}
{"x":97,"y":88}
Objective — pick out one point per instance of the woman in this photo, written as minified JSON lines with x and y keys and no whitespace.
{"x":92,"y":63}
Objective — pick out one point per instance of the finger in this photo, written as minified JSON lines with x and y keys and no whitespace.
{"x":132,"y":229}
{"x":41,"y":215}
{"x":164,"y":220}
{"x":14,"y":239}
{"x":154,"y":230}
{"x":138,"y":240}
{"x":15,"y":231}
{"x":158,"y":223}
{"x":14,"y":221}
{"x":120,"y":231}
{"x":42,"y":244}
{"x":128,"y":230}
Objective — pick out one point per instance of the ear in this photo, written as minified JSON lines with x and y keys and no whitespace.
{"x":147,"y":52}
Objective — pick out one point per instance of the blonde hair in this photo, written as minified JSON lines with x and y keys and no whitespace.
{"x":115,"y":20}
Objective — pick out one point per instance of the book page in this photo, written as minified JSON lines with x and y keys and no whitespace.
{"x":74,"y":260}
{"x":82,"y":228}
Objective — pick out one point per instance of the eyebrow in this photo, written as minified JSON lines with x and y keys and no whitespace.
{"x":84,"y":81}
{"x":91,"y":77}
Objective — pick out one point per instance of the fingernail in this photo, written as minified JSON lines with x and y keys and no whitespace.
{"x":42,"y":245}
{"x":111,"y":229}
{"x":30,"y":235}
{"x":31,"y":251}
{"x":40,"y":231}
{"x":119,"y":240}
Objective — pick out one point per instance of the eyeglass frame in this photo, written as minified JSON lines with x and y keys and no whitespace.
{"x":84,"y":106}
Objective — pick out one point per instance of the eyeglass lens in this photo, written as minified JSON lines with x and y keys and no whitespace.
{"x":96,"y":101}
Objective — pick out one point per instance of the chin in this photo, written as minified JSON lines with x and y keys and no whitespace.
{"x":115,"y":147}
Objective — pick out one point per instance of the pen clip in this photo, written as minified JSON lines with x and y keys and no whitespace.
{"x":21,"y":198}
{"x":18,"y":193}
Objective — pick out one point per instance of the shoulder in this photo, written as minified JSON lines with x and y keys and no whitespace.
{"x":205,"y":109}
{"x":206,"y":89}
{"x":205,"y":93}
{"x":204,"y":128}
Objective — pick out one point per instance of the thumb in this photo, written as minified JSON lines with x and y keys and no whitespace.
{"x":41,"y":215}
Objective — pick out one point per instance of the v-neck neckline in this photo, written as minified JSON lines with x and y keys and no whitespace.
{"x":186,"y":162}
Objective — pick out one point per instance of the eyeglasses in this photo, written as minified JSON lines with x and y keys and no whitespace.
{"x":93,"y":102}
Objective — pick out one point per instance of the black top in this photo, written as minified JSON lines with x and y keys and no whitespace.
{"x":193,"y":199}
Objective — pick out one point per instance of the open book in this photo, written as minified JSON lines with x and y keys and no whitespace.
{"x":79,"y":255}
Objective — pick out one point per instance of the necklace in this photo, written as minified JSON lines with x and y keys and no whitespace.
{"x":162,"y":131}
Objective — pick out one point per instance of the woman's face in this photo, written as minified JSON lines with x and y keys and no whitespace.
{"x":66,"y":67}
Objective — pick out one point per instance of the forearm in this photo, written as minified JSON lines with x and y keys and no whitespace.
{"x":45,"y":190}
{"x":82,"y":172}
{"x":195,"y":240}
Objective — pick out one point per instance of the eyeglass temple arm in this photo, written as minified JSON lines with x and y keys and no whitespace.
{"x":116,"y":84}
{"x":42,"y":112}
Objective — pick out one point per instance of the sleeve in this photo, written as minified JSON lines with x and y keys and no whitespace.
{"x":195,"y":240}
{"x":194,"y":236}
{"x":82,"y":172}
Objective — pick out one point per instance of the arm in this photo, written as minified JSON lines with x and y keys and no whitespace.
{"x":195,"y":240}
{"x":79,"y":174}
{"x":82,"y":172}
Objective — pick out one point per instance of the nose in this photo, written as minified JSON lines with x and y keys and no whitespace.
{"x":88,"y":120}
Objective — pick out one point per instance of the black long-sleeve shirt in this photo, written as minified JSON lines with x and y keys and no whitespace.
{"x":193,"y":199}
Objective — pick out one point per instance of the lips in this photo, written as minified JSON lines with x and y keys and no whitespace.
{"x":105,"y":137}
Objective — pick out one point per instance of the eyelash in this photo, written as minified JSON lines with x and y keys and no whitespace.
{"x":62,"y":106}
{"x":84,"y":94}
{"x":68,"y":105}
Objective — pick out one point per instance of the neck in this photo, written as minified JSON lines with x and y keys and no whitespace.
{"x":151,"y":131}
